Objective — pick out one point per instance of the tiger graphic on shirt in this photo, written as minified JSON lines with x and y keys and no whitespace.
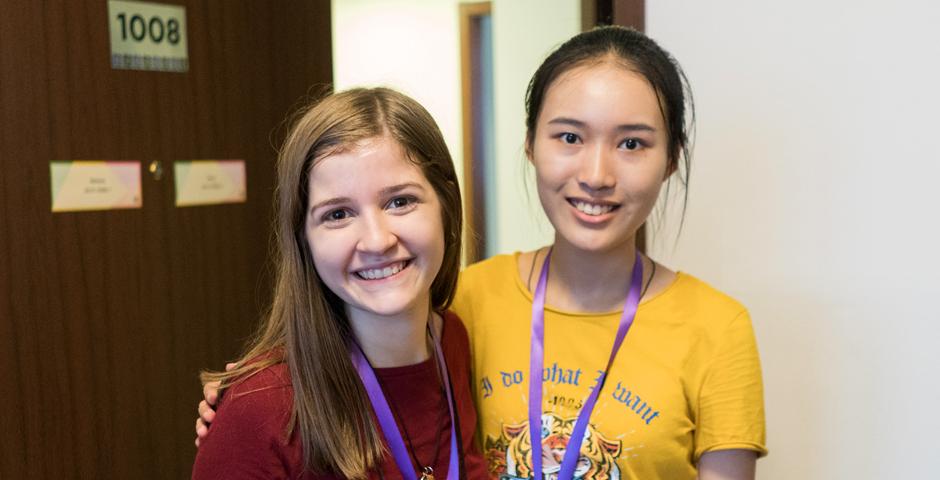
{"x":509,"y":456}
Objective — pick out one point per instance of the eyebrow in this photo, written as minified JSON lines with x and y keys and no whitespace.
{"x":403,"y":186}
{"x":628,"y":127}
{"x":332,"y":201}
{"x":384,"y":192}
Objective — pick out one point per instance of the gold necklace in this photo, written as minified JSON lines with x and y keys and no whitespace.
{"x":427,"y":473}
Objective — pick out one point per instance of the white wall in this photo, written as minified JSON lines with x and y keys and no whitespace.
{"x":815,"y":180}
{"x":410,"y":45}
{"x":414,"y":46}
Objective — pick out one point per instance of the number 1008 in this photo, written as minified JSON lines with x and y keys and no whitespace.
{"x":155,"y":28}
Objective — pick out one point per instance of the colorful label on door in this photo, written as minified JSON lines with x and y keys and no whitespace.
{"x":95,"y":185}
{"x":209,"y":182}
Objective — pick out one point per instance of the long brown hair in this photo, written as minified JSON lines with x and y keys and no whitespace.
{"x":307,"y":326}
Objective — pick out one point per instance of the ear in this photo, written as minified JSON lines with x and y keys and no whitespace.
{"x":671,"y":168}
{"x":528,"y":146}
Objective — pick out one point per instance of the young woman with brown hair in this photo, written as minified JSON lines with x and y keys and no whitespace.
{"x":358,"y":371}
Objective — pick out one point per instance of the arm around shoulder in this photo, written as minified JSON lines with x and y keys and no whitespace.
{"x":249,"y":438}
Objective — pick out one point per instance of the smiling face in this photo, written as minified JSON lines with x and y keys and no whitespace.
{"x":600,"y":155}
{"x":374,"y":228}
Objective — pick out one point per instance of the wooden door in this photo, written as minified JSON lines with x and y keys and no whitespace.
{"x":107,"y":317}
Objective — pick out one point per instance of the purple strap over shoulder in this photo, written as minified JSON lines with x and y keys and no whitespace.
{"x":387,"y":421}
{"x":536,"y":362}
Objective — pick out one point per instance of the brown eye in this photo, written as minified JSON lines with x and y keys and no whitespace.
{"x":569,"y":138}
{"x":337,"y":215}
{"x":399,"y":203}
{"x":631,"y":144}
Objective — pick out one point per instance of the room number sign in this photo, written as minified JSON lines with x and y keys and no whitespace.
{"x":148,"y":36}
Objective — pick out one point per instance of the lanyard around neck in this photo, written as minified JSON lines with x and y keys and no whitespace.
{"x":386,"y":419}
{"x":536,"y":361}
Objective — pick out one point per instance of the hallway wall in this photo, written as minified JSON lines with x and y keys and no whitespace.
{"x":813,"y":193}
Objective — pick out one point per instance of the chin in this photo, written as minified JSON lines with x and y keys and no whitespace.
{"x":593,"y":241}
{"x":387,"y":305}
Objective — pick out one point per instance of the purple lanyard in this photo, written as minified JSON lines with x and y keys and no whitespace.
{"x":387,"y":421}
{"x":536,"y":360}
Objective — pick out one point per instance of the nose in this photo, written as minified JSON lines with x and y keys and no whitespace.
{"x":376,"y":235}
{"x":596,"y":173}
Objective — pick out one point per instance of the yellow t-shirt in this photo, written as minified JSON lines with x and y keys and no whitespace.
{"x":687,"y":379}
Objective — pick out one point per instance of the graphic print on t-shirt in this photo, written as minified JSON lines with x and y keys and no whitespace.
{"x":686,"y":380}
{"x":510,"y":455}
{"x":620,"y":409}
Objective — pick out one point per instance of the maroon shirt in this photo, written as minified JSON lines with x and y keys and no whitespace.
{"x":247,"y":438}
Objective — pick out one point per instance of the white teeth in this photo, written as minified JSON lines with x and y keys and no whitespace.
{"x":592,"y":209}
{"x":380,"y":273}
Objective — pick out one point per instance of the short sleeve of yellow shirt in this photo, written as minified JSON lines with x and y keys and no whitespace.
{"x":687,"y":379}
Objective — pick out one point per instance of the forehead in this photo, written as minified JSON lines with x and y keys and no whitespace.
{"x":364,"y":168}
{"x":603,"y":92}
